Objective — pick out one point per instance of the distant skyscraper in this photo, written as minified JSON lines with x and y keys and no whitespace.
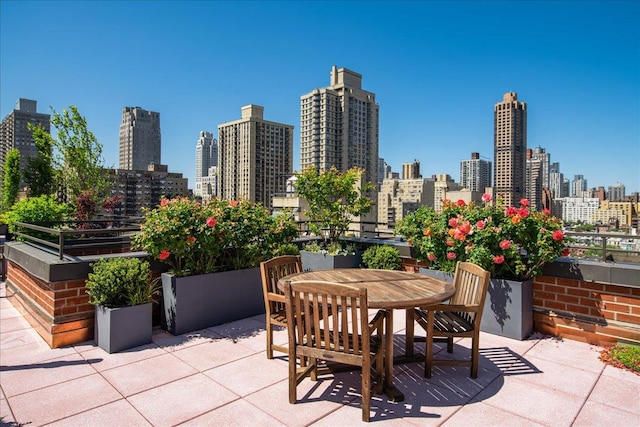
{"x":475,"y":174}
{"x":256,"y":157}
{"x":510,"y":146}
{"x":555,"y":181}
{"x":578,"y":186}
{"x":139,"y":138}
{"x":15,"y":134}
{"x":411,"y":170}
{"x":339,"y":126}
{"x":206,"y":163}
{"x":616,"y":192}
{"x":533,"y":180}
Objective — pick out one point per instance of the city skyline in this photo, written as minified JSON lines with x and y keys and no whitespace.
{"x":436,"y":69}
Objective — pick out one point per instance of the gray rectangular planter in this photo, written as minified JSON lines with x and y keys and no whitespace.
{"x":198,"y":302}
{"x":121,"y":328}
{"x":508,"y":307}
{"x":312,"y":261}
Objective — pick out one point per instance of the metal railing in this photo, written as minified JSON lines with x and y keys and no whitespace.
{"x":598,"y":246}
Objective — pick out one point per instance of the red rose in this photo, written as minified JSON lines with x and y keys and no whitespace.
{"x":211,"y":221}
{"x":498,"y":259}
{"x":557,"y":235}
{"x":164,"y":254}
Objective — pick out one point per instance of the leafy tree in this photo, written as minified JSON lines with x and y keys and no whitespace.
{"x":11,"y":178}
{"x":334,"y":198}
{"x":79,"y":158}
{"x":39,"y":174}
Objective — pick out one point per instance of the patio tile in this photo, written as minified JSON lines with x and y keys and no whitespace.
{"x":181,"y":400}
{"x":169,"y":342}
{"x":118,"y":413}
{"x":618,"y":393}
{"x":147,"y":374}
{"x":19,"y":338}
{"x":101,"y":360}
{"x":239,"y":329}
{"x":34,"y":352}
{"x":531,"y":401}
{"x":13,"y":324}
{"x":7,"y":311}
{"x":238,"y":413}
{"x":210,"y":355}
{"x":18,"y":379}
{"x":56,"y":402}
{"x":249,"y":374}
{"x":595,"y":414}
{"x":568,"y":352}
{"x":6,"y":414}
{"x":469,"y":415}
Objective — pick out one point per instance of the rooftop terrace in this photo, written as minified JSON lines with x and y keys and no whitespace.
{"x":221,"y":376}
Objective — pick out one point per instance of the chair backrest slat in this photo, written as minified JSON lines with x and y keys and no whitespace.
{"x":471,"y":283}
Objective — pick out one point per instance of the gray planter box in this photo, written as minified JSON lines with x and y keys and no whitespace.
{"x":312,"y":261}
{"x":118,"y":329}
{"x":198,"y":302}
{"x":508,"y":307}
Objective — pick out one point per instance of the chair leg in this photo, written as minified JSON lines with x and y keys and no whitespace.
{"x":293,"y":379}
{"x":449,"y":344}
{"x":366,"y":392}
{"x":269,"y":341}
{"x":475,"y":344}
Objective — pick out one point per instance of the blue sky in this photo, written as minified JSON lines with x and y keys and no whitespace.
{"x":437,"y":69}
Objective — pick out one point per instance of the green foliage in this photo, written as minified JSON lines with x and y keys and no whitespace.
{"x":39,"y":174}
{"x":79,"y":160}
{"x":512,"y":243}
{"x":11,"y":178}
{"x":121,"y":282}
{"x":382,"y":257}
{"x":334,"y":198}
{"x":287,"y":249}
{"x":196,"y":238}
{"x":622,"y":356}
{"x":36,"y":210}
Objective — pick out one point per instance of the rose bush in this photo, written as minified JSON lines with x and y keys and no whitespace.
{"x":220,"y":235}
{"x":510,"y":242}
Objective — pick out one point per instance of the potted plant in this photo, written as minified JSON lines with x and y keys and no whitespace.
{"x":383,"y":257}
{"x":334,"y":198}
{"x":122,"y":291}
{"x":213,"y":251}
{"x":513,"y":243}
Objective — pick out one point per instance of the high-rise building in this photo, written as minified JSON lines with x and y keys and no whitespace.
{"x":578,"y":186}
{"x":556,"y":180}
{"x":475,"y":174}
{"x":411,"y":170}
{"x":510,"y":148}
{"x":534,"y":178}
{"x":399,"y":197}
{"x":206,"y":164}
{"x":139,"y":139}
{"x":616,"y":192}
{"x":14,"y":132}
{"x":339,"y":126}
{"x":255,"y":157}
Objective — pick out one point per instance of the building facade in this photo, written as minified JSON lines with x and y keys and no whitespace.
{"x":399,"y":197}
{"x":579,"y":186}
{"x":206,"y":164}
{"x":255,"y":157}
{"x":14,"y":132}
{"x":510,"y":148}
{"x":556,"y":179}
{"x":411,"y":170}
{"x":475,"y":174}
{"x":140,"y":140}
{"x":339,"y":126}
{"x":616,"y":192}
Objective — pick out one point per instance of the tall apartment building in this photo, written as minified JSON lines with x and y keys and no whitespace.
{"x":510,"y":146}
{"x":15,"y":134}
{"x":140,"y":140}
{"x":141,"y":189}
{"x":444,"y":184}
{"x":578,"y":186}
{"x":556,"y":180}
{"x":411,"y":170}
{"x":475,"y":174}
{"x":534,"y":178}
{"x":616,"y":192}
{"x":399,"y":197}
{"x":255,"y":157}
{"x":206,"y":164}
{"x":339,"y":126}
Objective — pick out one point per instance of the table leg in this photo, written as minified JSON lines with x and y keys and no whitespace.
{"x":390,"y":390}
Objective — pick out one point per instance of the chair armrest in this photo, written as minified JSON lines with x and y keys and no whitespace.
{"x":450,"y":307}
{"x":377,"y":322}
{"x":272,"y":296}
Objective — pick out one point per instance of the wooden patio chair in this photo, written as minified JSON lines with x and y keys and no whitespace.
{"x":346,"y":337}
{"x":273,"y":270}
{"x":459,"y":318}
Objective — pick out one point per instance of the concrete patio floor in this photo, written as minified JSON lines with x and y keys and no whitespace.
{"x":220,"y":376}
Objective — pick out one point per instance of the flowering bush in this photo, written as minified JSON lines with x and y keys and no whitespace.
{"x":197,"y":238}
{"x":511,"y":243}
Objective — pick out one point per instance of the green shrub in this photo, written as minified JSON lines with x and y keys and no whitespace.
{"x":120,"y":282}
{"x":383,"y":257}
{"x":36,"y":210}
{"x":287,"y":249}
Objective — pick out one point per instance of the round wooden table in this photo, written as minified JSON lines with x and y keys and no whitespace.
{"x":386,"y":290}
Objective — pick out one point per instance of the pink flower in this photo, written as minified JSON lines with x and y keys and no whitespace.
{"x":546,"y":211}
{"x":511,"y":211}
{"x":164,"y":254}
{"x":498,"y":259}
{"x":453,"y":222}
{"x":523,"y":212}
{"x":211,"y":222}
{"x":450,"y":242}
{"x":164,"y":202}
{"x":524,"y":202}
{"x":460,"y":203}
{"x":451,"y":255}
{"x":191,"y":240}
{"x":233,"y":203}
{"x":480,"y":224}
{"x":505,"y":244}
{"x":431,"y":256}
{"x":486,"y":198}
{"x":465,"y":227}
{"x":557,"y":235}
